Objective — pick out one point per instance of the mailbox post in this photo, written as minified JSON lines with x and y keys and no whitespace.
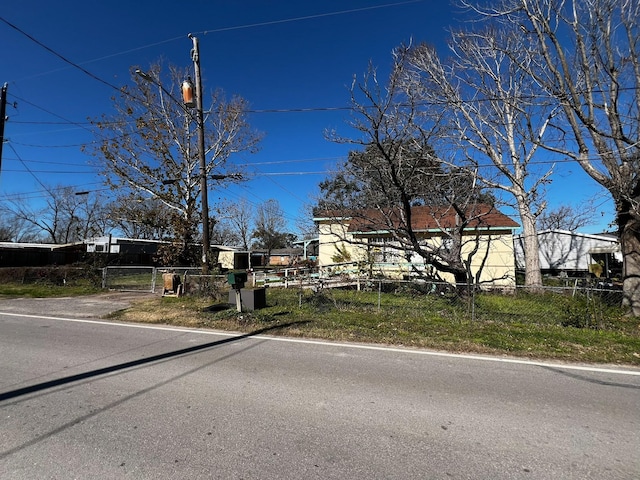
{"x":237,"y":281}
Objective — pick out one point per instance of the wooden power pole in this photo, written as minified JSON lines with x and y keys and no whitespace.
{"x":3,"y":109}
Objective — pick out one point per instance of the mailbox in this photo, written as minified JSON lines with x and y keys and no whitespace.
{"x":236,"y":280}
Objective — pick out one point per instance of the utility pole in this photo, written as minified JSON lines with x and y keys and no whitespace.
{"x":3,"y":109}
{"x":195,"y":56}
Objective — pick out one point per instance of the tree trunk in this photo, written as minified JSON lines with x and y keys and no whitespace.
{"x":531,"y":248}
{"x":464,"y":285}
{"x":630,"y":246}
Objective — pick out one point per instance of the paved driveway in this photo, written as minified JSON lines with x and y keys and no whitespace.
{"x":88,"y":306}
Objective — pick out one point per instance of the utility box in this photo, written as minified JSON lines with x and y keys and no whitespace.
{"x":236,"y":280}
{"x":251,"y":298}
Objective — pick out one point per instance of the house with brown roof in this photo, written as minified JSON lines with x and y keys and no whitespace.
{"x":380,"y":238}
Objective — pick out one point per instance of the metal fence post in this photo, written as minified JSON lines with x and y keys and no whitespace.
{"x":153,"y":280}
{"x":473,"y":304}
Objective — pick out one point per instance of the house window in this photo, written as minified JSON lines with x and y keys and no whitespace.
{"x":99,"y":248}
{"x":381,"y":251}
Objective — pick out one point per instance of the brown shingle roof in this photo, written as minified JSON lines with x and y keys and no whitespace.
{"x":424,"y":218}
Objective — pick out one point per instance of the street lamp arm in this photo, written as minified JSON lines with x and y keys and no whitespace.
{"x":235,"y":176}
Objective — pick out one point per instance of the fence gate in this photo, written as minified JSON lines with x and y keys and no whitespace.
{"x":137,"y":279}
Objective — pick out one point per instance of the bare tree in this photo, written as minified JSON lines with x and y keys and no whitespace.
{"x":6,"y":232}
{"x":15,"y":229}
{"x":270,"y":226}
{"x":65,"y":216}
{"x":585,"y":55}
{"x":567,"y":217}
{"x":238,"y":219}
{"x":139,"y":217}
{"x":222,"y":234}
{"x":496,"y":120}
{"x":150,"y":146}
{"x":306,"y":227}
{"x":398,"y":169}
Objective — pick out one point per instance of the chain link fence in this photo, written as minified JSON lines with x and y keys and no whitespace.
{"x":136,"y":279}
{"x":150,"y":279}
{"x":584,"y":305}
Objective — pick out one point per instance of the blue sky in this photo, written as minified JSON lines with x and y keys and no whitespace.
{"x":296,"y":56}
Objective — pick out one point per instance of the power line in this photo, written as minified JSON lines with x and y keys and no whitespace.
{"x":49,"y":162}
{"x":33,"y":145}
{"x":307,"y":17}
{"x":78,"y":65}
{"x":54,"y":114}
{"x":53,"y":189}
{"x":564,"y":160}
{"x":61,"y":57}
{"x":26,"y":167}
{"x":52,"y":172}
{"x":222,"y":29}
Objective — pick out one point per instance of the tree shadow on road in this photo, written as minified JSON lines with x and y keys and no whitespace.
{"x":134,"y":363}
{"x":119,"y":368}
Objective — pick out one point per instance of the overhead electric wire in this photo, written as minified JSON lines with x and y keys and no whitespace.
{"x":438,"y":103}
{"x":60,"y":56}
{"x":255,"y":204}
{"x":253,"y":164}
{"x":307,"y":17}
{"x":45,"y":194}
{"x":78,"y":66}
{"x":52,"y":172}
{"x":53,"y":189}
{"x":33,"y":145}
{"x":290,"y":110}
{"x":26,"y":167}
{"x":49,"y":112}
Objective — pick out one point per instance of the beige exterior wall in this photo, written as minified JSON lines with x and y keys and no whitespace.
{"x":495,"y":254}
{"x":333,"y":238}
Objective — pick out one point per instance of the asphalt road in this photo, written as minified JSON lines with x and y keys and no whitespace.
{"x":92,"y":399}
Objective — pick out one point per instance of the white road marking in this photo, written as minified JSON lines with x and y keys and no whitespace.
{"x":463,"y":356}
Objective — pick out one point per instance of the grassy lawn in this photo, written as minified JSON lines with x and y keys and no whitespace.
{"x":11,"y":290}
{"x":544,"y":326}
{"x":547,"y":326}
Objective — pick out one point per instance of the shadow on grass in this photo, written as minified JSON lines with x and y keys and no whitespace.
{"x":217,"y":307}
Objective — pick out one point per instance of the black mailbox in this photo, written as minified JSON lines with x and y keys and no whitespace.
{"x":236,"y":280}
